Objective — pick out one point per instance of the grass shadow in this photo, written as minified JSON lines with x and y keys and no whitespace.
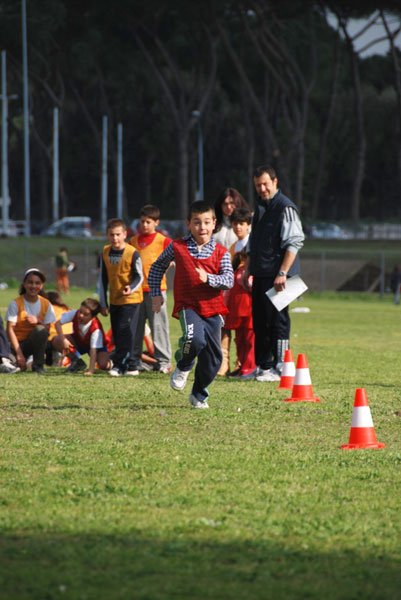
{"x":135,"y":566}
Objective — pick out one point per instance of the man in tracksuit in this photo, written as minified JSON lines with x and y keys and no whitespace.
{"x":274,"y":242}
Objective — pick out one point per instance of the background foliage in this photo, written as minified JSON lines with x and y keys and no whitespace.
{"x":273,"y":82}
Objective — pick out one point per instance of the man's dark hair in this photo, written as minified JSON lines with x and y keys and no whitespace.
{"x":151,"y":211}
{"x":198,"y":207}
{"x":241,"y":215}
{"x":258,"y":172}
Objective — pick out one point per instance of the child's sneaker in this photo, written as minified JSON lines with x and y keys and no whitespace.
{"x":197,"y":403}
{"x":7,"y":366}
{"x":132,"y":372}
{"x":268,"y":375}
{"x":249,"y":375}
{"x":115,"y":372}
{"x":178,"y":379}
{"x":76,"y":366}
{"x":164,"y":369}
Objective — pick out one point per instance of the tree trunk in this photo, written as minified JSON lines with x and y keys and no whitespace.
{"x":182,"y":174}
{"x":250,"y":152}
{"x":397,"y":86}
{"x":361,"y":150}
{"x":299,"y":175}
{"x":325,"y":133}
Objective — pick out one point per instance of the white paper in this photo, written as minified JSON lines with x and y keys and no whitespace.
{"x":294,"y":287}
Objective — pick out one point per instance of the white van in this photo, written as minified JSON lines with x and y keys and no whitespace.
{"x":75,"y":227}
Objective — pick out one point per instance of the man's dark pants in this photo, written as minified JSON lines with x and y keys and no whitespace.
{"x":269,"y":324}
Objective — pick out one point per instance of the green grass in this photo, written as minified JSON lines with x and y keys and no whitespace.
{"x":116,"y":489}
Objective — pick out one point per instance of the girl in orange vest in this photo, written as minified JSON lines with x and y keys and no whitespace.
{"x":28,"y":320}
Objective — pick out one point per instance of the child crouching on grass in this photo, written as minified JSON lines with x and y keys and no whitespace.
{"x":203,"y":270}
{"x":87,"y":337}
{"x":28,"y":319}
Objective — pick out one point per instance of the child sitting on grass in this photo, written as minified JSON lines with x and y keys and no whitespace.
{"x":87,"y":337}
{"x":59,"y":307}
{"x":203,"y":270}
{"x":28,"y":319}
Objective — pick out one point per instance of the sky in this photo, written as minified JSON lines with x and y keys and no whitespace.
{"x":376,"y":31}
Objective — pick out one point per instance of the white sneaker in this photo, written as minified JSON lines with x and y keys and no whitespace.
{"x":279,"y":367}
{"x":268,"y":375}
{"x":198,"y":403}
{"x":7,"y":366}
{"x":165,"y":369}
{"x":114,"y":372}
{"x":133,"y":372}
{"x":178,"y":379}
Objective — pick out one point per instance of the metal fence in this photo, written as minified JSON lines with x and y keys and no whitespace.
{"x":340,"y":270}
{"x":348,"y":270}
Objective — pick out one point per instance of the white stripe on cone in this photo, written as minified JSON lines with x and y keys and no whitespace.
{"x":361,"y":417}
{"x":302,"y":377}
{"x":288,"y":369}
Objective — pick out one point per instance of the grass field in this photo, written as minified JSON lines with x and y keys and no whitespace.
{"x":116,"y":489}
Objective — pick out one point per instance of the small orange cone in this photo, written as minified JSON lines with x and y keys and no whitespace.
{"x":288,"y":372}
{"x":362,"y":434}
{"x":302,"y":390}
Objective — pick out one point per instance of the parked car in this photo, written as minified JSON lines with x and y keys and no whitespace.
{"x":75,"y":227}
{"x":329,"y":231}
{"x":12,"y":229}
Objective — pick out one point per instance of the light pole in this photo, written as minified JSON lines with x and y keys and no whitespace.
{"x":55,"y":165}
{"x":197,"y":114}
{"x":103,"y":213}
{"x":26,"y":123}
{"x":4,"y":143}
{"x":120,"y":171}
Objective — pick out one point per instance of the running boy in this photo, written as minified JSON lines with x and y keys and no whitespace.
{"x":87,"y":337}
{"x":203,"y":269}
{"x":121,"y":271}
{"x":150,"y":244}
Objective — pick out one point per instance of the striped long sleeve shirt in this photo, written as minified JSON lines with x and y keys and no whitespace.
{"x":223,"y":281}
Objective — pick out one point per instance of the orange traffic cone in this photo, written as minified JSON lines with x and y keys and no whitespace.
{"x":362,"y":434}
{"x":288,"y":372}
{"x":302,"y":390}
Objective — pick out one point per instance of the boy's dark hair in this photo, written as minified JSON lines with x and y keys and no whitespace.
{"x":241,"y":215}
{"x":198,"y":207}
{"x":92,"y":304}
{"x":258,"y":172}
{"x":112,"y":223}
{"x":150,"y":211}
{"x":63,"y":249}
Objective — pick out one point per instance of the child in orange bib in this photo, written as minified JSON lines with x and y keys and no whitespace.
{"x":28,"y":320}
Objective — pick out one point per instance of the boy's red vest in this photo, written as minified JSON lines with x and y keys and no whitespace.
{"x":83,"y":341}
{"x":189,"y":291}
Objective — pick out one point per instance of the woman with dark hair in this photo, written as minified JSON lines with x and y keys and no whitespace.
{"x":227,"y":202}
